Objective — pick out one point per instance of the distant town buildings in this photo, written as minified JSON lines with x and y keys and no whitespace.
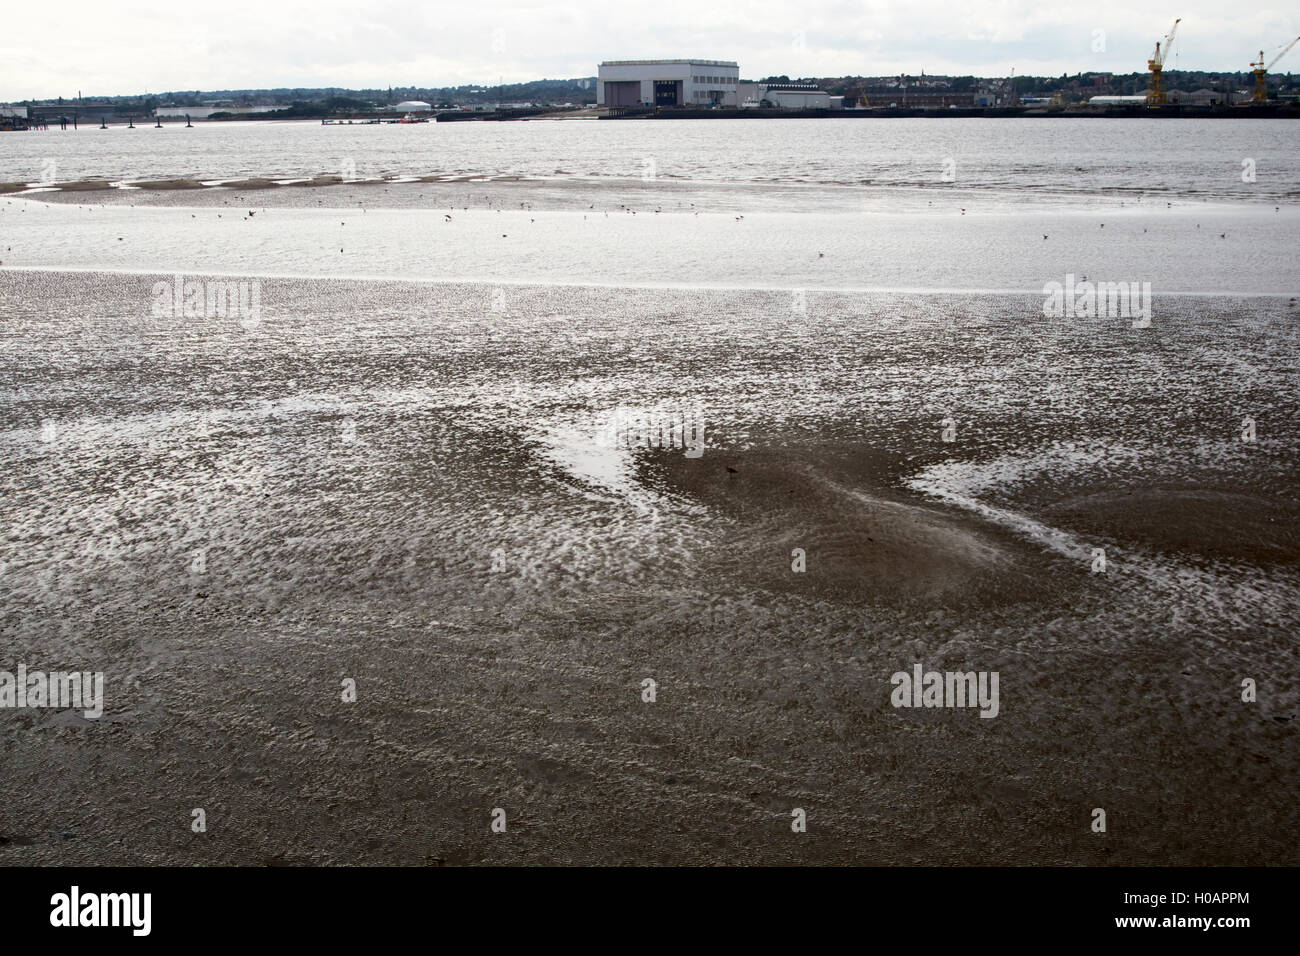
{"x":717,"y":83}
{"x":677,"y":87}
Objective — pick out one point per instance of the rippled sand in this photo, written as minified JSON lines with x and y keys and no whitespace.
{"x":406,"y":484}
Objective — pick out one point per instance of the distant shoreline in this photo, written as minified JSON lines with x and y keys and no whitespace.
{"x":1173,"y":111}
{"x":992,"y":112}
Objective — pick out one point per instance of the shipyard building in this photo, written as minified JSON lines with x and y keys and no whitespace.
{"x":667,"y":83}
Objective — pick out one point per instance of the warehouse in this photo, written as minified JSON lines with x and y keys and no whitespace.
{"x":667,"y":83}
{"x":788,"y":96}
{"x":1117,"y":100}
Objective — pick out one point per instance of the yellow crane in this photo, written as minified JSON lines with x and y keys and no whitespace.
{"x":1156,"y":96}
{"x":1261,"y":71}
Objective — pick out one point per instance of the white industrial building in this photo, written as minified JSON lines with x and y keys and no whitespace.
{"x":787,"y":96}
{"x":667,"y":83}
{"x":203,"y":112}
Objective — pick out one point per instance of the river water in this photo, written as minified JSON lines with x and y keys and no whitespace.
{"x":1020,"y":159}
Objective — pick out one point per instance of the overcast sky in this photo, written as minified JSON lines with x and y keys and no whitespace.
{"x":57,"y":47}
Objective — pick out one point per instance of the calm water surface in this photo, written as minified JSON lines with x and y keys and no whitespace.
{"x":1072,"y":157}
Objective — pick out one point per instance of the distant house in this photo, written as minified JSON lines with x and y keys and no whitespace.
{"x":412,"y":106}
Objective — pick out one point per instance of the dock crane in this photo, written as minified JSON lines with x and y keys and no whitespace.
{"x":1261,"y":71}
{"x":1156,"y":97}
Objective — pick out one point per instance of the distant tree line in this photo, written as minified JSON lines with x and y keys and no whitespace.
{"x":326,"y":101}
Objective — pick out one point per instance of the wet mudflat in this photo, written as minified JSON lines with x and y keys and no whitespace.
{"x":409,"y":485}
